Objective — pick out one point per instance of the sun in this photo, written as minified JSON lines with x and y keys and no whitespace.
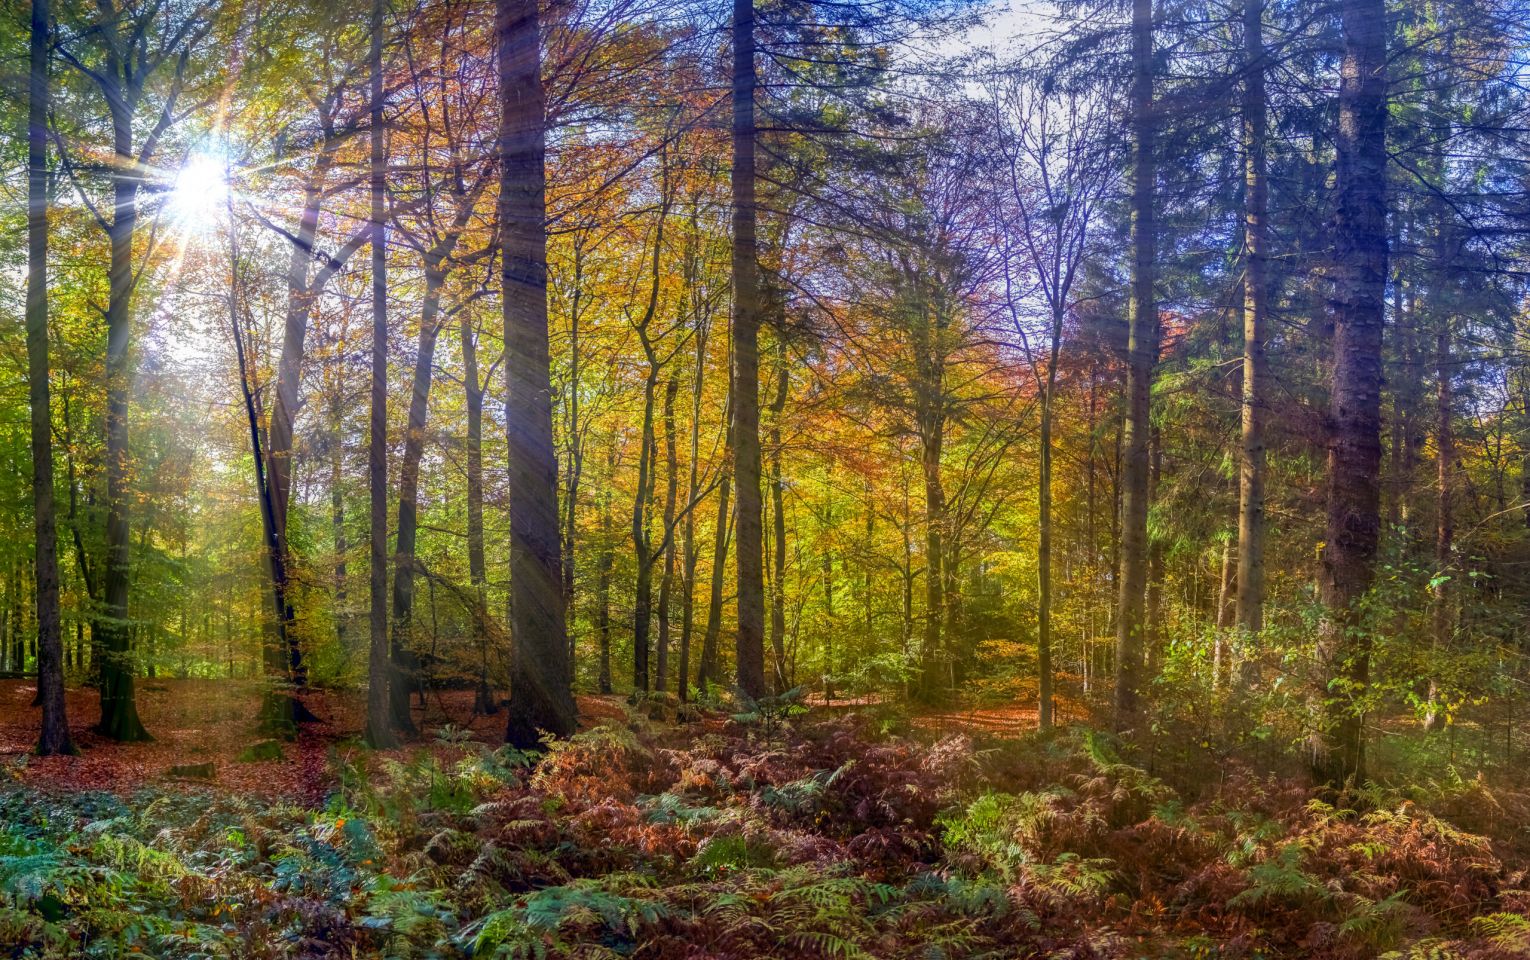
{"x":199,"y":193}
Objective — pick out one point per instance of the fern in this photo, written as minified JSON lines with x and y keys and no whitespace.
{"x":1376,"y":925}
{"x":1507,"y":931}
{"x":1280,"y":878}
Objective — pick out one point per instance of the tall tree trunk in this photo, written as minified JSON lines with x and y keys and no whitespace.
{"x":337,"y":525}
{"x":380,"y":730}
{"x":541,"y":693}
{"x":1445,"y":529}
{"x":710,"y":670}
{"x":119,"y":708}
{"x":1142,"y":357}
{"x":1153,"y":632}
{"x":1250,"y":578}
{"x":1044,"y":528}
{"x":671,"y":492}
{"x":575,"y":445}
{"x":603,"y":564}
{"x":934,"y":566}
{"x":53,"y":737}
{"x":404,"y":659}
{"x":1354,"y":452}
{"x":777,"y":499}
{"x":478,"y":572}
{"x":693,"y":489}
{"x":642,"y":538}
{"x":279,"y":713}
{"x":750,"y":642}
{"x":1225,"y":603}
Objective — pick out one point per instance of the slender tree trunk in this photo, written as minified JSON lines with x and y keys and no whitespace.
{"x":603,"y":564}
{"x":671,"y":492}
{"x":337,"y":524}
{"x":777,"y":498}
{"x":1251,"y":522}
{"x":642,"y":545}
{"x":750,"y":645}
{"x":1354,"y":451}
{"x":1044,"y":529}
{"x":380,"y":729}
{"x":541,"y":693}
{"x":279,"y":711}
{"x":1445,"y":530}
{"x":1224,"y":618}
{"x":693,"y":490}
{"x":934,"y":568}
{"x":710,"y":671}
{"x":477,"y":569}
{"x":1142,"y":357}
{"x":53,"y":737}
{"x":575,"y":446}
{"x":1153,"y":632}
{"x":405,"y":661}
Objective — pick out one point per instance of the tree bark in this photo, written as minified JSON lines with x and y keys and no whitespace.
{"x":541,"y":694}
{"x":53,"y":736}
{"x":603,"y":563}
{"x":1142,"y":357}
{"x":1044,"y":528}
{"x":337,"y":525}
{"x":1354,"y":452}
{"x":710,"y":670}
{"x":750,"y":639}
{"x":477,"y":569}
{"x":575,"y":442}
{"x":693,"y":487}
{"x":1153,"y":632}
{"x":380,"y":728}
{"x":401,"y":653}
{"x":1445,"y":530}
{"x":119,"y":708}
{"x":1249,"y":601}
{"x":778,"y":540}
{"x":671,"y":492}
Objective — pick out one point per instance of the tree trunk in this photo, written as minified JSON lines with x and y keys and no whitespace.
{"x":280,"y":711}
{"x":1044,"y":529}
{"x":1142,"y":357}
{"x":405,"y":661}
{"x":777,"y":491}
{"x":337,"y":525}
{"x":934,"y":570}
{"x":1219,"y":655}
{"x":541,"y":694}
{"x":603,"y":565}
{"x":119,"y":708}
{"x":53,"y":737}
{"x":1153,"y":631}
{"x":1354,"y":452}
{"x":1445,"y":530}
{"x":710,"y":670}
{"x":671,"y":492}
{"x":1251,"y":523}
{"x":642,"y":545}
{"x":380,"y":730}
{"x":750,"y":643}
{"x":575,"y":446}
{"x":477,"y":569}
{"x":693,"y":490}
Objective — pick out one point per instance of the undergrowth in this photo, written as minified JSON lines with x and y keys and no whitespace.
{"x":809,"y":839}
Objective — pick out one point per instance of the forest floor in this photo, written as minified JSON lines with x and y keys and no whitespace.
{"x":199,"y":722}
{"x":836,"y":834}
